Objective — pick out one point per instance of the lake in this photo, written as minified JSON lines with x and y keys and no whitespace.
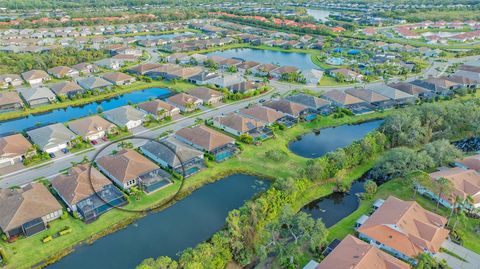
{"x":299,"y":60}
{"x":314,"y":145}
{"x":336,"y":206}
{"x":166,"y":36}
{"x":184,"y":224}
{"x":70,"y":113}
{"x":319,"y":14}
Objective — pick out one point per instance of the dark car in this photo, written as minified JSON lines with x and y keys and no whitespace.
{"x":261,"y":101}
{"x":65,"y":150}
{"x":51,"y":155}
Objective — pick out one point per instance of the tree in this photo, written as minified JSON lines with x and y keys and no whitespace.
{"x":442,"y":152}
{"x":442,"y":187}
{"x":426,"y":261}
{"x":160,"y":263}
{"x":370,"y":187}
{"x":245,"y":138}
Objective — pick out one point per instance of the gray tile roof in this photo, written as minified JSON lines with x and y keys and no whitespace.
{"x":122,"y":115}
{"x":308,"y":100}
{"x":172,"y":151}
{"x":30,"y":94}
{"x":51,"y":135}
{"x":93,"y":83}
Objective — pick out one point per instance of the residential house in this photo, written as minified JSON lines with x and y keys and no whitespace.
{"x":310,"y":101}
{"x":411,"y":89}
{"x":26,"y":211}
{"x":226,"y":80}
{"x":172,"y":154}
{"x":14,"y":149}
{"x":33,"y":77}
{"x":125,"y":116}
{"x":470,"y":162}
{"x":94,"y":83}
{"x":91,"y":128}
{"x":346,"y":74}
{"x":263,"y":114}
{"x":263,"y":70}
{"x":353,"y":253}
{"x":128,"y":168}
{"x":404,"y":229}
{"x":185,"y":102}
{"x":207,"y":95}
{"x":220,"y":146}
{"x":37,"y":96}
{"x":63,"y":72}
{"x":245,"y":86}
{"x":203,"y":78}
{"x":87,"y":192}
{"x":313,"y":76}
{"x":371,"y":97}
{"x":178,"y":58}
{"x":399,"y":97}
{"x":10,"y":101}
{"x":343,"y":99}
{"x":247,"y":66}
{"x":287,"y":107}
{"x":433,"y":86}
{"x":109,"y":63}
{"x":229,"y":62}
{"x":125,"y":58}
{"x":86,"y":68}
{"x":183,"y":73}
{"x":464,"y":82}
{"x":237,"y":125}
{"x":66,"y":88}
{"x":159,"y":109}
{"x":143,"y":69}
{"x":465,"y":182}
{"x":10,"y":80}
{"x":52,"y":138}
{"x":118,"y":78}
{"x":283,"y":70}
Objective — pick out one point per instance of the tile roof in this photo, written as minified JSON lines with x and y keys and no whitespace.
{"x":122,"y":115}
{"x":238,"y":122}
{"x":472,"y":162}
{"x":7,"y":98}
{"x":79,"y":184}
{"x":205,"y":93}
{"x":308,"y":100}
{"x":172,"y":151}
{"x":154,"y":106}
{"x":352,"y":253}
{"x":90,"y":125}
{"x":408,"y":88}
{"x":465,"y":182}
{"x":286,"y":107}
{"x":30,"y":94}
{"x":51,"y":135}
{"x":367,"y":95}
{"x":65,"y":87}
{"x":126,"y":165}
{"x":34,"y":74}
{"x":261,"y":113}
{"x":13,"y":145}
{"x":20,"y":206}
{"x":116,"y":77}
{"x":206,"y":138}
{"x":406,"y":227}
{"x":342,"y":98}
{"x":183,"y":99}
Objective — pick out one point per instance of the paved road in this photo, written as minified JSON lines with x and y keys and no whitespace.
{"x":53,"y":168}
{"x":473,"y":259}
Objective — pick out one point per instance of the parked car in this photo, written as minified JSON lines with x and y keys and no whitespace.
{"x":261,"y":101}
{"x":65,"y":150}
{"x":104,"y":138}
{"x":94,"y":142}
{"x":51,"y":155}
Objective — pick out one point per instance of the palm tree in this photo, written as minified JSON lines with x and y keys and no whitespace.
{"x":442,"y":186}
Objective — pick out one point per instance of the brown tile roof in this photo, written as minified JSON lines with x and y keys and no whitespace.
{"x":65,"y":87}
{"x":23,"y":205}
{"x":204,"y":137}
{"x":126,"y":165}
{"x":186,"y":72}
{"x":7,"y":98}
{"x":471,"y":162}
{"x":261,"y":113}
{"x":90,"y":125}
{"x":60,"y":70}
{"x":465,"y":182}
{"x":416,"y":228}
{"x":408,"y":88}
{"x":144,"y":68}
{"x":238,"y":122}
{"x":367,"y":95}
{"x":116,"y":76}
{"x":183,"y":99}
{"x":342,"y":98}
{"x":13,"y":145}
{"x":248,"y":65}
{"x":267,"y":67}
{"x":286,"y":106}
{"x":205,"y":93}
{"x":470,"y":68}
{"x":79,"y":184}
{"x":34,"y":74}
{"x":285,"y":70}
{"x":353,"y":253}
{"x":154,"y":106}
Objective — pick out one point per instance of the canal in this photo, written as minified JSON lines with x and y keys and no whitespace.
{"x":70,"y":113}
{"x":315,"y":145}
{"x":299,"y":60}
{"x":166,"y":233}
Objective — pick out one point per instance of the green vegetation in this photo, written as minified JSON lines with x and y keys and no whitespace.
{"x":20,"y":62}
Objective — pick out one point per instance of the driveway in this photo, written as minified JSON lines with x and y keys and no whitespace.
{"x":473,"y":259}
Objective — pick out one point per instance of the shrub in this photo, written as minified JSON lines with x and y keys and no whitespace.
{"x":276,"y":155}
{"x":64,"y":216}
{"x":47,"y":239}
{"x":65,"y":231}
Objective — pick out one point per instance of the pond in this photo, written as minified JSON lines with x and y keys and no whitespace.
{"x":336,"y":206}
{"x":319,"y":14}
{"x":70,"y":113}
{"x":185,"y":224}
{"x":299,"y":60}
{"x":315,"y":145}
